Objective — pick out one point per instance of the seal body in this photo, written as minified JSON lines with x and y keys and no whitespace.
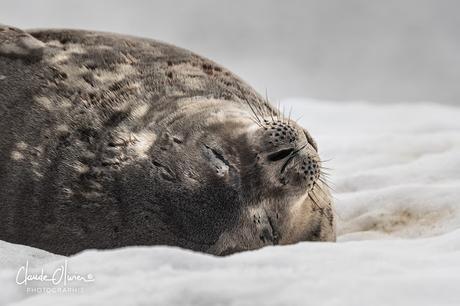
{"x":109,"y":141}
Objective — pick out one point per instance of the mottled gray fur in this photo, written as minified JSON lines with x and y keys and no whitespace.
{"x":109,"y":141}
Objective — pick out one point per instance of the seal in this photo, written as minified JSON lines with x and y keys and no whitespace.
{"x":109,"y":140}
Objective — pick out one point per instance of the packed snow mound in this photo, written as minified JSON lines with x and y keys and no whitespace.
{"x":395,"y":170}
{"x":391,"y":272}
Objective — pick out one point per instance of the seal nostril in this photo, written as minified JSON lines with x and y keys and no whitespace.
{"x":282,"y":154}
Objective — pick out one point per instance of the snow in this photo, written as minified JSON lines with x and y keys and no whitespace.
{"x":395,"y":172}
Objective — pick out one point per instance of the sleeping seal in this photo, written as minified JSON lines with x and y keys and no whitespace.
{"x":109,"y":141}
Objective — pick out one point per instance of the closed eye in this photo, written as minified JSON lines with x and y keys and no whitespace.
{"x":282,"y":154}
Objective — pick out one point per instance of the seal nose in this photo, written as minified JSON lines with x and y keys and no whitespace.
{"x":279,"y":155}
{"x":291,"y":154}
{"x":299,"y":167}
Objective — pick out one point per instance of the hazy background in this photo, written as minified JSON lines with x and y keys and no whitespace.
{"x":384,"y":51}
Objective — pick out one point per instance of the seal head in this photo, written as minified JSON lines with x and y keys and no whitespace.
{"x":274,"y":166}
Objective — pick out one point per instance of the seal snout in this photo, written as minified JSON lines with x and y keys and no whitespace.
{"x":290,"y":154}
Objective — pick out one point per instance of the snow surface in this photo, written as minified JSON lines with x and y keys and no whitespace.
{"x":396,"y":176}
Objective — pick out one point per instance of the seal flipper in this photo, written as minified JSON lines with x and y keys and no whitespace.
{"x":16,"y":43}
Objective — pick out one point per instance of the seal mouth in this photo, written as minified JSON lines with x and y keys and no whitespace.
{"x":274,"y":233}
{"x":286,"y":163}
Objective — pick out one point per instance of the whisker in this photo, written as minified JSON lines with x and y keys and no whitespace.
{"x":323,"y":176}
{"x":271,"y":115}
{"x":297,"y":150}
{"x":248,"y":103}
{"x":329,"y":212}
{"x":323,"y":191}
{"x":254,"y":115}
{"x":317,"y":198}
{"x":314,"y":202}
{"x":317,"y":185}
{"x":333,"y":210}
{"x":271,"y":106}
{"x":326,"y":184}
{"x":283,"y":114}
{"x":255,"y":121}
{"x":261,"y":110}
{"x":253,"y":111}
{"x":279,"y":113}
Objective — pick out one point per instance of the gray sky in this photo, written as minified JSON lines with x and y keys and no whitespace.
{"x":405,"y":50}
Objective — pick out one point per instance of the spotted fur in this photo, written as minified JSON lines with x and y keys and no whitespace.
{"x":109,"y":140}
